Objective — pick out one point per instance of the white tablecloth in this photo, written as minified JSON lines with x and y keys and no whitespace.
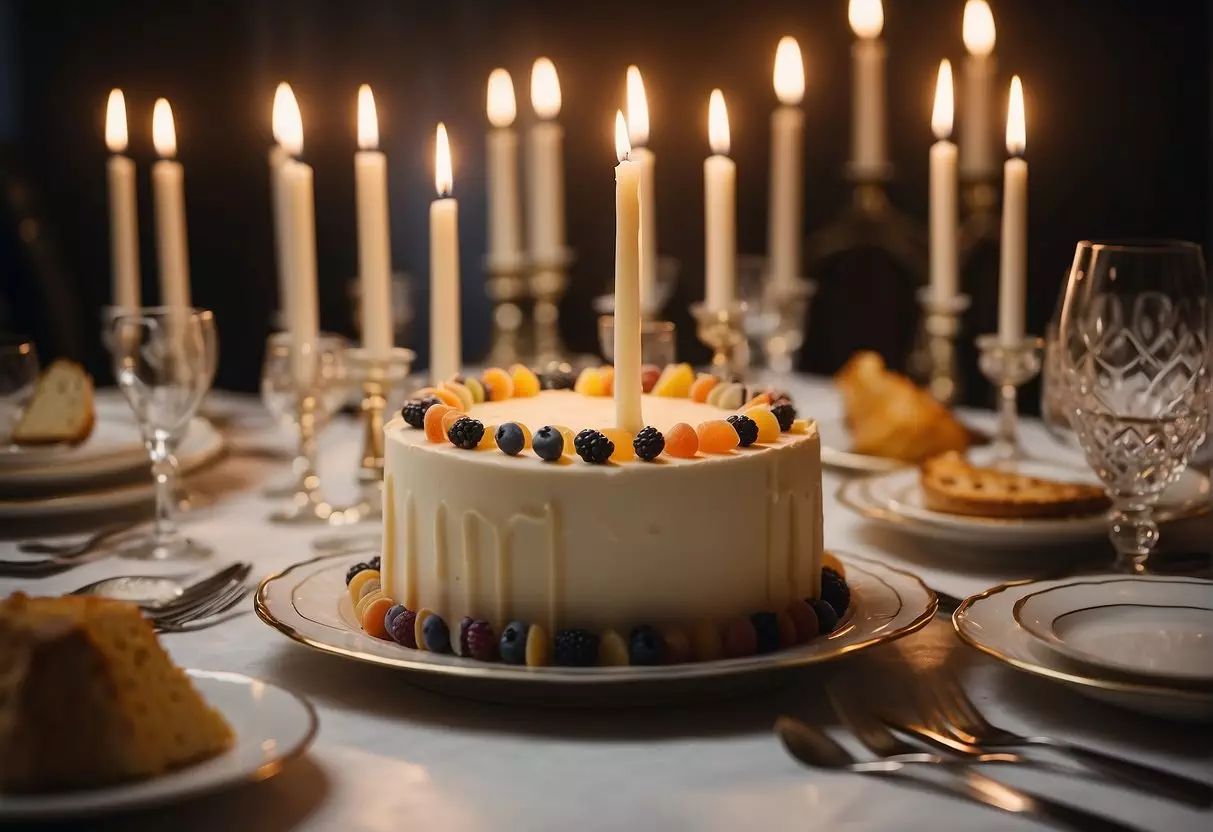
{"x":396,"y":758}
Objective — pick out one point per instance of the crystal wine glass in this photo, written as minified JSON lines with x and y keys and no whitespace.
{"x":18,"y":378}
{"x":1134,"y":353}
{"x":164,"y":361}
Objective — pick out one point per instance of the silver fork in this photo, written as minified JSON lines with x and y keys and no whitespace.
{"x":958,"y":714}
{"x":209,"y":614}
{"x":198,"y":604}
{"x":74,"y":548}
{"x":882,"y":742}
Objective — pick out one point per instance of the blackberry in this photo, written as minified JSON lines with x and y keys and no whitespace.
{"x":354,"y":570}
{"x":649,"y":443}
{"x":594,"y":447}
{"x":375,"y":562}
{"x":747,"y":429}
{"x":481,"y":641}
{"x":827,"y":619}
{"x":414,"y":411}
{"x":834,"y":590}
{"x":644,"y":645}
{"x":466,"y":433}
{"x":785,"y":414}
{"x":576,"y":648}
{"x":557,"y":380}
{"x":766,"y":627}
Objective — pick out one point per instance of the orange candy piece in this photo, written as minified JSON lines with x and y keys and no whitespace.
{"x":760,"y":399}
{"x":372,"y":617}
{"x":501,"y":384}
{"x":447,"y":397}
{"x":717,"y":437}
{"x":702,"y":386}
{"x":489,"y":440}
{"x":569,"y":436}
{"x":681,"y":441}
{"x":434,"y":431}
{"x":625,"y":451}
{"x":768,"y":425}
{"x":526,"y":383}
{"x":608,"y":380}
{"x":590,"y":383}
{"x":449,"y":418}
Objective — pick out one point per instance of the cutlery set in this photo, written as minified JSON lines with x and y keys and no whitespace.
{"x":177,"y":607}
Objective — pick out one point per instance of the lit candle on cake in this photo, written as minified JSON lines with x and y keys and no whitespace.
{"x":638,"y":138}
{"x":1014,"y":268}
{"x":545,"y":202}
{"x":943,"y":219}
{"x":720,"y":211}
{"x":505,"y":226}
{"x":168,"y":196}
{"x":297,"y":201}
{"x":869,"y":159}
{"x":374,"y":243}
{"x":124,"y":223}
{"x":787,"y":137}
{"x":627,"y":385}
{"x":977,"y":159}
{"x":444,"y":267}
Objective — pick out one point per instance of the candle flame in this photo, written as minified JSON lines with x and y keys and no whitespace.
{"x":443,"y":178}
{"x":287,"y":122}
{"x":1017,"y":127}
{"x":115,"y":122}
{"x":545,"y":89}
{"x":501,"y":106}
{"x":789,"y":72}
{"x":866,"y":17}
{"x":368,"y":119}
{"x":638,"y":109}
{"x":718,"y":124}
{"x":164,"y":135}
{"x":977,"y":29}
{"x":623,"y":147}
{"x":941,"y":114}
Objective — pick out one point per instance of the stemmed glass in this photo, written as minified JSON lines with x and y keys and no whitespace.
{"x":1134,"y":353}
{"x":164,"y":361}
{"x":18,"y":378}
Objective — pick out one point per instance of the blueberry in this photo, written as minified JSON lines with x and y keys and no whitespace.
{"x":510,"y":438}
{"x":548,"y":443}
{"x":436,"y":634}
{"x":834,"y":590}
{"x":513,"y":641}
{"x":766,"y":627}
{"x":464,"y":624}
{"x":827,"y":619}
{"x":644,"y":645}
{"x":390,"y":616}
{"x":404,"y":629}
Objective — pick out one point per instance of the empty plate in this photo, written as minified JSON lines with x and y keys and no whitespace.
{"x":1158,"y":628}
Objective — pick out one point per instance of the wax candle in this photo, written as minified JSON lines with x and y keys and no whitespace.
{"x":943,"y":217}
{"x":374,"y":241}
{"x":444,"y":267}
{"x":1012,"y":282}
{"x":168,"y":196}
{"x":977,"y":159}
{"x":720,"y":210}
{"x":276,"y":156}
{"x":297,"y":198}
{"x":869,"y":158}
{"x":640,"y":154}
{"x":124,"y":223}
{"x":628,"y":207}
{"x":505,"y":226}
{"x":787,"y":137}
{"x":545,"y":198}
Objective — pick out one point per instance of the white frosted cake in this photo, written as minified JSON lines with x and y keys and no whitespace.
{"x":481,"y":533}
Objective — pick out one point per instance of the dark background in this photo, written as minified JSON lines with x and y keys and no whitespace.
{"x":1118,"y":97}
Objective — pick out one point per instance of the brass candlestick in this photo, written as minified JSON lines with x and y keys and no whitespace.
{"x":1009,"y":365}
{"x":377,"y":374}
{"x":548,"y":281}
{"x":507,"y":289}
{"x":724,"y":331}
{"x":934,"y":360}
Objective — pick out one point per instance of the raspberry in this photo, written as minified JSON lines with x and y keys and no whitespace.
{"x":834,"y":590}
{"x":593,"y":447}
{"x":644,"y":645}
{"x":576,"y":648}
{"x":464,"y":623}
{"x":354,"y":570}
{"x":785,"y":414}
{"x":649,"y":444}
{"x":404,"y":629}
{"x":481,"y":641}
{"x":747,"y":429}
{"x":766,"y":627}
{"x":466,"y":433}
{"x":414,"y":411}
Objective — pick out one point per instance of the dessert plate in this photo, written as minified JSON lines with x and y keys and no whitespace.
{"x":1150,"y":627}
{"x":896,"y":500}
{"x":986,"y":622}
{"x":308,"y":603}
{"x":273,"y":726}
{"x":835,"y":439}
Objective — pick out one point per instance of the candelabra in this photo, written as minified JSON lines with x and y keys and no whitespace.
{"x":507,"y":289}
{"x":934,"y":359}
{"x":549,"y":279}
{"x":377,"y":374}
{"x":1009,"y":365}
{"x":723,"y":330}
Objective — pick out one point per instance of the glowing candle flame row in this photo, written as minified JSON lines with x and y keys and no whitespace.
{"x":638,"y":108}
{"x":718,"y":124}
{"x":789,"y":72}
{"x":1017,"y":128}
{"x":164,"y":135}
{"x":545,"y":89}
{"x":866,"y":18}
{"x":115,"y":122}
{"x":942,"y":113}
{"x":623,"y":146}
{"x":443,"y":178}
{"x":501,"y":106}
{"x":287,"y":122}
{"x":368,"y":120}
{"x":977,"y":28}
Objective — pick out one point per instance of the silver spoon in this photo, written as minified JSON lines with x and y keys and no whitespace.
{"x":156,"y":592}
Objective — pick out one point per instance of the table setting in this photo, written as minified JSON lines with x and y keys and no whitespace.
{"x":537,"y":588}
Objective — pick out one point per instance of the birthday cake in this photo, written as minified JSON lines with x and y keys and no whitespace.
{"x":513,"y":515}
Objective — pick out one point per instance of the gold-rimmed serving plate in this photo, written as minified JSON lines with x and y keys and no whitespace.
{"x":308,"y":603}
{"x":986,"y":622}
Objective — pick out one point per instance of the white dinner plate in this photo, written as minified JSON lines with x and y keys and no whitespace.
{"x":202,"y":445}
{"x":308,"y":603}
{"x":1151,"y":627}
{"x":896,"y":500}
{"x":115,"y":439}
{"x":835,"y":453}
{"x":273,"y":726}
{"x":986,"y":622}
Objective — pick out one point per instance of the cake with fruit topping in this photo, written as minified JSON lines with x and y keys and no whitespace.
{"x":512,"y":501}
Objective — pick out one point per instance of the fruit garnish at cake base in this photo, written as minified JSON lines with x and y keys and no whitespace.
{"x":89,"y":698}
{"x":61,"y":410}
{"x":954,"y":486}
{"x":890,"y":416}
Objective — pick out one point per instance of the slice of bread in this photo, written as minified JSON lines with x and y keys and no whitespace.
{"x":953,"y":486}
{"x":62,"y":408}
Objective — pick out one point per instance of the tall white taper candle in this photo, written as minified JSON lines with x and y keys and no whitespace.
{"x":869,"y":156}
{"x":545,"y":198}
{"x":505,"y":218}
{"x":943,"y":216}
{"x":787,"y":138}
{"x":168,"y":196}
{"x":977,"y":159}
{"x":627,"y":385}
{"x":445,"y":358}
{"x":638,"y":138}
{"x":124,"y":223}
{"x":374,"y":236}
{"x":1012,"y":284}
{"x":720,"y":210}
